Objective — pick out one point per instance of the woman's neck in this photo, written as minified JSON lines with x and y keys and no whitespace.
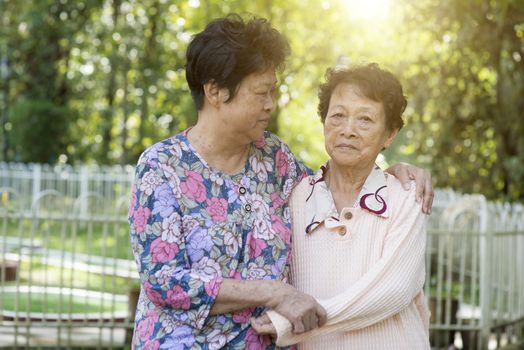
{"x":345,"y":183}
{"x":219,"y":149}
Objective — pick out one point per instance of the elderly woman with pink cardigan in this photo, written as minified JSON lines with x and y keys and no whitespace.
{"x":358,"y":237}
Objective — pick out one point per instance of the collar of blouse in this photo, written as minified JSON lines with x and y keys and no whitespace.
{"x":320,"y":206}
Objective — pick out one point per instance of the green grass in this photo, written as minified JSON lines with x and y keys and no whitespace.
{"x":110,"y":239}
{"x":53,"y":303}
{"x":69,"y":278}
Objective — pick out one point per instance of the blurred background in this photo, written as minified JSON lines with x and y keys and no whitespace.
{"x":87,"y":85}
{"x":97,"y":81}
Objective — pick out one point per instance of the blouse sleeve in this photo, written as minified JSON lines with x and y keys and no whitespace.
{"x":159,"y":249}
{"x":386,"y":289}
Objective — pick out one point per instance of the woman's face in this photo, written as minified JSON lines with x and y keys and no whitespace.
{"x":355,"y":128}
{"x":247,"y":114}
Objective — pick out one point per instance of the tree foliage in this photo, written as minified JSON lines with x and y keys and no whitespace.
{"x":100,"y":80}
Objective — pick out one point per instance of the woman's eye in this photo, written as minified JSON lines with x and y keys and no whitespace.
{"x":365,"y":118}
{"x":338,"y":115}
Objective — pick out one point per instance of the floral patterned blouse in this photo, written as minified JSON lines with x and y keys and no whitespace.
{"x":192,"y":226}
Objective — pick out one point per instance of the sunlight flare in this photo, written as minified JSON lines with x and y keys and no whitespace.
{"x":368,"y":9}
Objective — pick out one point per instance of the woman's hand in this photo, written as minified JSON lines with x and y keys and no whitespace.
{"x":405,"y":173}
{"x":301,"y":309}
{"x":263,"y":325}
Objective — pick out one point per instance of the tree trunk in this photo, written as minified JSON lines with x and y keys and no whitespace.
{"x":4,"y":77}
{"x":124,"y":159}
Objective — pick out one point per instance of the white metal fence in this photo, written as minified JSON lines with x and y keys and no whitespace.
{"x":67,"y":278}
{"x":475,"y":272}
{"x":73,"y":183}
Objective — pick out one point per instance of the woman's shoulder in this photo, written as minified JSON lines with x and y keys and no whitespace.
{"x":164,"y":149}
{"x":302,"y":190}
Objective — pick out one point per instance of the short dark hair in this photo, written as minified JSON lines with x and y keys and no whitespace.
{"x":228,"y":50}
{"x":373,"y":82}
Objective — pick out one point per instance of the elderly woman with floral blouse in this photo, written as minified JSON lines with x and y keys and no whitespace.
{"x":358,"y":237}
{"x":209,"y":217}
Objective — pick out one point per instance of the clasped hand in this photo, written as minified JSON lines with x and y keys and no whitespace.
{"x":302,"y":310}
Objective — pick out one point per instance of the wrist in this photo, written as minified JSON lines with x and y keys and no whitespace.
{"x":275,"y":293}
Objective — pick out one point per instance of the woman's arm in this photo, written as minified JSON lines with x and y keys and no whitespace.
{"x":303,"y":311}
{"x":386,"y":289}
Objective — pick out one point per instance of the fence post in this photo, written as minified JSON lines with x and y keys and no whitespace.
{"x":84,"y":189}
{"x":37,"y":183}
{"x":486,"y":273}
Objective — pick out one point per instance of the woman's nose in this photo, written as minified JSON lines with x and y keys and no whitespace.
{"x":349,"y":127}
{"x":269,"y":103}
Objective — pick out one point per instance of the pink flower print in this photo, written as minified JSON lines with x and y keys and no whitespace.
{"x":171,"y":228}
{"x":231,"y":243}
{"x":212,"y":287}
{"x":207,"y":268}
{"x":132,"y":202}
{"x":149,"y":182}
{"x":217,"y":209}
{"x":280,"y":228}
{"x":255,"y":341}
{"x":163,"y":251}
{"x":261,"y":166}
{"x":256,"y":246}
{"x":151,"y":345}
{"x":146,"y":327}
{"x":282,"y":162}
{"x":177,"y":298}
{"x":256,"y":272}
{"x":193,"y":187}
{"x":261,"y":229}
{"x":234,"y":274}
{"x":216,"y":339}
{"x":243,"y":316}
{"x":153,"y":295}
{"x":276,"y":200}
{"x":140,"y":217}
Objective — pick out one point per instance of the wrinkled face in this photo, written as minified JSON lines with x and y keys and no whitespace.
{"x":355,"y":128}
{"x":247,"y":114}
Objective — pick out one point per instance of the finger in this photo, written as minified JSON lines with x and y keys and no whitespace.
{"x":306,"y":321}
{"x":404,"y":176}
{"x":298,"y":326}
{"x":321,"y":315}
{"x":266,"y":329}
{"x":420,"y":182}
{"x":429,"y":194}
{"x":256,"y":325}
{"x":263,"y":319}
{"x":314,"y":320}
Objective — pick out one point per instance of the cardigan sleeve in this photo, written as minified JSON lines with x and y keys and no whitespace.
{"x":386,"y":289}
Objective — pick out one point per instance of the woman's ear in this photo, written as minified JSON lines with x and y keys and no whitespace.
{"x":391,"y":137}
{"x":214,"y":94}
